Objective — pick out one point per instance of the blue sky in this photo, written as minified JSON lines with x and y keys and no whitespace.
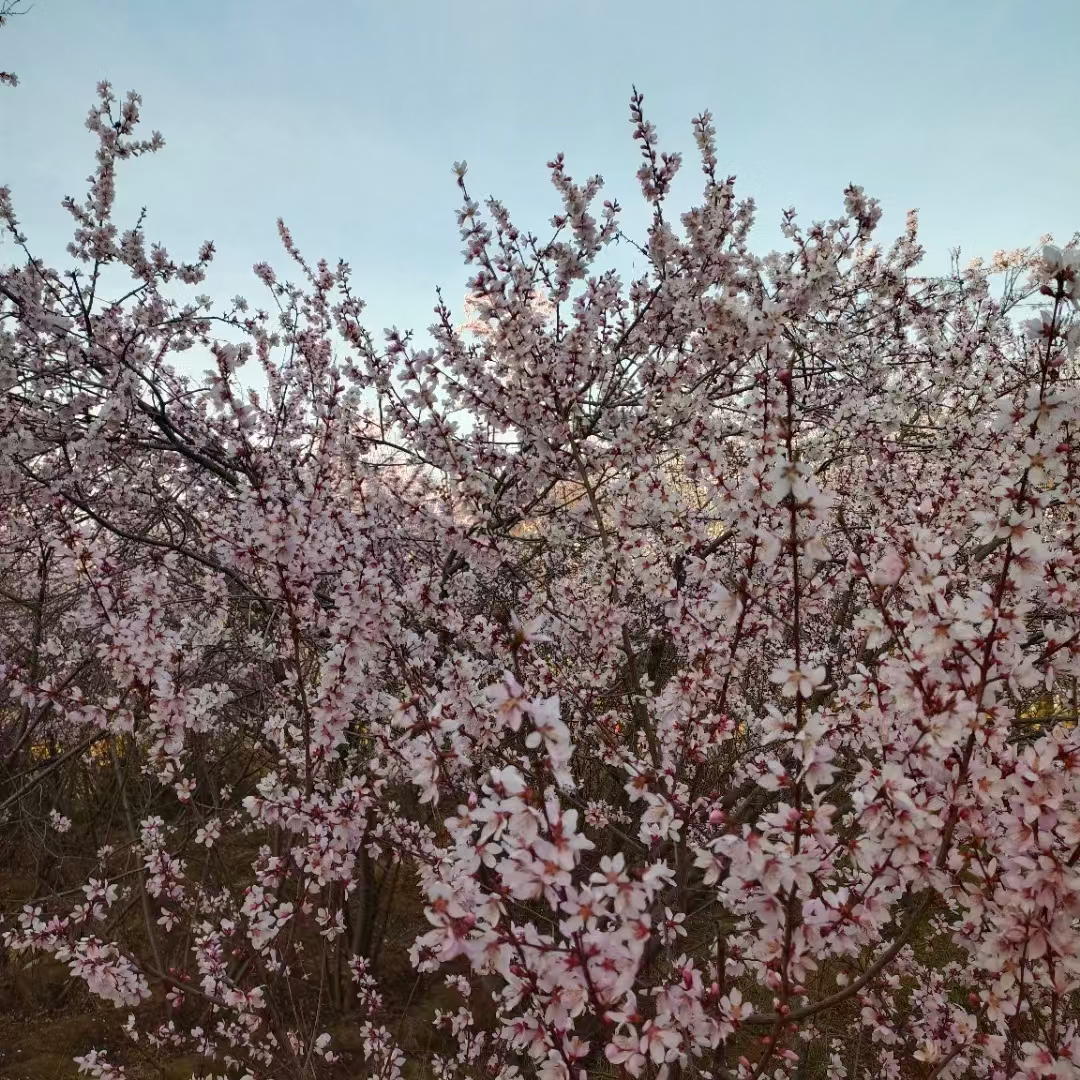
{"x":344,"y":116}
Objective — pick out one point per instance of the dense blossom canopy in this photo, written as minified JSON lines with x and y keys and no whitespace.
{"x":696,"y":655}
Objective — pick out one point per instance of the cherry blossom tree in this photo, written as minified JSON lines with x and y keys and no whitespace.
{"x":696,"y":655}
{"x":7,"y":9}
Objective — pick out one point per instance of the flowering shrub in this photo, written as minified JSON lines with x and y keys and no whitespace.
{"x":697,"y":655}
